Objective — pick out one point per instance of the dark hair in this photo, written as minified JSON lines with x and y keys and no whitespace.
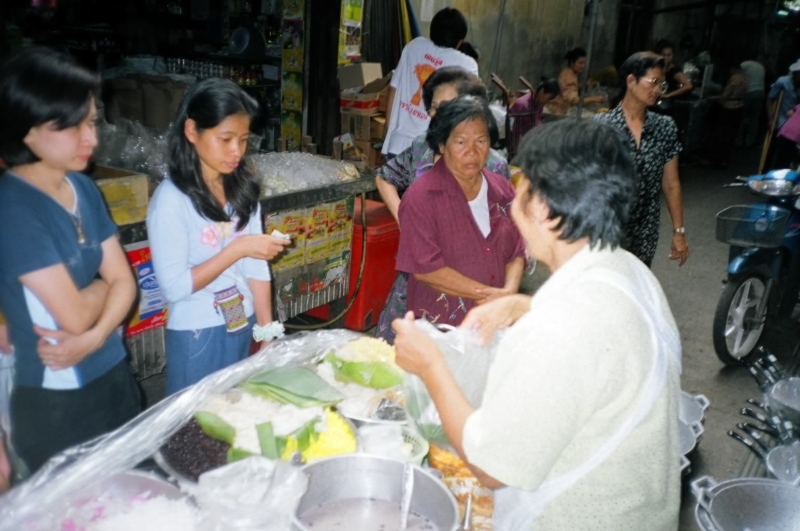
{"x":638,"y":65}
{"x":454,"y":112}
{"x":550,"y":86}
{"x":584,"y":171}
{"x":38,"y":86}
{"x":470,"y":51}
{"x":448,"y":28}
{"x":208,"y":103}
{"x":662,"y":45}
{"x":574,"y":54}
{"x":464,"y":81}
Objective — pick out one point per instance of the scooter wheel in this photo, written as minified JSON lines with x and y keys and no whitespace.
{"x":737,"y":327}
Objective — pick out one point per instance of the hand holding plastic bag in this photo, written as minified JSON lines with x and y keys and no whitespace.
{"x":469,"y":362}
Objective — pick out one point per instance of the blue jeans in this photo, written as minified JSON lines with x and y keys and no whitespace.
{"x":194,"y":354}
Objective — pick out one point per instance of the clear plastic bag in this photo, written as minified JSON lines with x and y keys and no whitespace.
{"x":39,"y":502}
{"x":469,"y":362}
{"x":254,"y":494}
{"x":280,"y":173}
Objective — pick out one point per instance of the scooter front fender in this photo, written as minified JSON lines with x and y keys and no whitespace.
{"x":766,"y":261}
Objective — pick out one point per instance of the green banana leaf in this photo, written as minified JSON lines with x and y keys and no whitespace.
{"x":215,"y":427}
{"x":298,"y":386}
{"x":269,"y":443}
{"x":367,"y":374}
{"x":237,"y":454}
{"x":306,"y":435}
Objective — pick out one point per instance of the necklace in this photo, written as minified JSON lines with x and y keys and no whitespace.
{"x":75,"y":216}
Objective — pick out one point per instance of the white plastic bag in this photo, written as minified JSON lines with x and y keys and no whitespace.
{"x":254,"y":494}
{"x":468,"y":360}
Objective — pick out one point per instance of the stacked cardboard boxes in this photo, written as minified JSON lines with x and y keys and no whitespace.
{"x":364,"y":90}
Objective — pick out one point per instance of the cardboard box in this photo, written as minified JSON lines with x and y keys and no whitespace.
{"x":366,"y":100}
{"x":377,"y":126}
{"x":359,"y":126}
{"x":358,"y":75}
{"x":371,"y":153}
{"x":127,"y":193}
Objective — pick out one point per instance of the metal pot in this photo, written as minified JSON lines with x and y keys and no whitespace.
{"x":785,"y":396}
{"x":746,"y":503}
{"x":693,"y":408}
{"x":367,"y":477}
{"x":690,"y":435}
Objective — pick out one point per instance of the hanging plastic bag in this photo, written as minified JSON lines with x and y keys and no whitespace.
{"x":469,"y":362}
{"x":254,"y":494}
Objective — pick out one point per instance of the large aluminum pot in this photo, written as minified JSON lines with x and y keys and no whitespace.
{"x":746,"y":503}
{"x":361,"y":476}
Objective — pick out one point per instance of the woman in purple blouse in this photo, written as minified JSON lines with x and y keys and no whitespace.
{"x":458,"y":244}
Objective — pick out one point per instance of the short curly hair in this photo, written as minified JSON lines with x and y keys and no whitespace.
{"x":466,"y":83}
{"x":584,"y":171}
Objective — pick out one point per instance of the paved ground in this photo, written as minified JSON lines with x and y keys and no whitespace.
{"x":693,"y":292}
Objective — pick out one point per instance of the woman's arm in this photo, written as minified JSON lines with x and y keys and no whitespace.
{"x":262,"y":302}
{"x":390,"y":196}
{"x":496,"y":315}
{"x":73,"y":348}
{"x":418,"y":354}
{"x":671,"y":186}
{"x":451,"y":282}
{"x":686,"y":86}
{"x":75,"y":310}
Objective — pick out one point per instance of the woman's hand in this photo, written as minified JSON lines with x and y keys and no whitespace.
{"x":415,"y":351}
{"x":496,"y":315}
{"x":70,"y":349}
{"x":489,"y":294}
{"x":260,"y":246}
{"x":680,"y":249}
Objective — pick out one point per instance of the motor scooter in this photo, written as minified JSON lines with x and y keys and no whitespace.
{"x":763,"y":277}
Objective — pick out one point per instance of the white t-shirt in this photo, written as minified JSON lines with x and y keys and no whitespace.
{"x":419,"y":60}
{"x":480,"y":208}
{"x":566,"y":376}
{"x":755,"y":75}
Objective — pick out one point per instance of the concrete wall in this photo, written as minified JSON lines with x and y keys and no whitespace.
{"x":536,"y":34}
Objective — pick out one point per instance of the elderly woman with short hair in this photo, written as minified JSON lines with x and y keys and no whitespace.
{"x":578,"y":426}
{"x":457,"y":241}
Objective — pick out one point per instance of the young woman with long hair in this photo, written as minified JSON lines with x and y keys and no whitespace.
{"x":205,"y":229}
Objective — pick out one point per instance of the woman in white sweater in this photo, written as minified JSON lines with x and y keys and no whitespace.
{"x":205,"y":229}
{"x":578,"y":424}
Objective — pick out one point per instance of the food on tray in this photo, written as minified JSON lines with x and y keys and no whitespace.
{"x":292,"y":385}
{"x":368,"y":362}
{"x":461,"y":482}
{"x":361,"y":403}
{"x":191,"y":451}
{"x":154,"y":514}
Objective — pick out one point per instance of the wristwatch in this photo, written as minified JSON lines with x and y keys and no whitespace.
{"x":679,"y":230}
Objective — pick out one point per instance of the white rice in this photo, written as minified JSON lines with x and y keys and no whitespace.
{"x":155,"y":514}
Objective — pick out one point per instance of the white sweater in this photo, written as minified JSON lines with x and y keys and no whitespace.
{"x":566,"y":376}
{"x":180,"y":239}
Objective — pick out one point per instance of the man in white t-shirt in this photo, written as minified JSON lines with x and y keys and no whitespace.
{"x":406,"y":117}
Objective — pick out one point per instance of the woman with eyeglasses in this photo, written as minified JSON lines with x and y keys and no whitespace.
{"x":654,"y":141}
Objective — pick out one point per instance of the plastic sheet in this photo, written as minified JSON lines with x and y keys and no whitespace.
{"x":132,"y":146}
{"x":280,"y":173}
{"x":468,"y":360}
{"x":37,"y":503}
{"x":254,"y":494}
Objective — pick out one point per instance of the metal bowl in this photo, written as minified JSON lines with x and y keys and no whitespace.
{"x":785,"y":396}
{"x":367,"y":477}
{"x":747,"y":503}
{"x":689,"y":436}
{"x":693,"y":408}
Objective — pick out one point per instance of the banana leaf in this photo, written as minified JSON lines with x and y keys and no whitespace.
{"x":367,"y":374}
{"x":237,"y":454}
{"x":270,"y":445}
{"x":293,"y":385}
{"x":215,"y":427}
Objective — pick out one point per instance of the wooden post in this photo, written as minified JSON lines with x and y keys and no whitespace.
{"x":770,"y":132}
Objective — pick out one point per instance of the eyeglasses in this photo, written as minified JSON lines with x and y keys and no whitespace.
{"x":658,"y":84}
